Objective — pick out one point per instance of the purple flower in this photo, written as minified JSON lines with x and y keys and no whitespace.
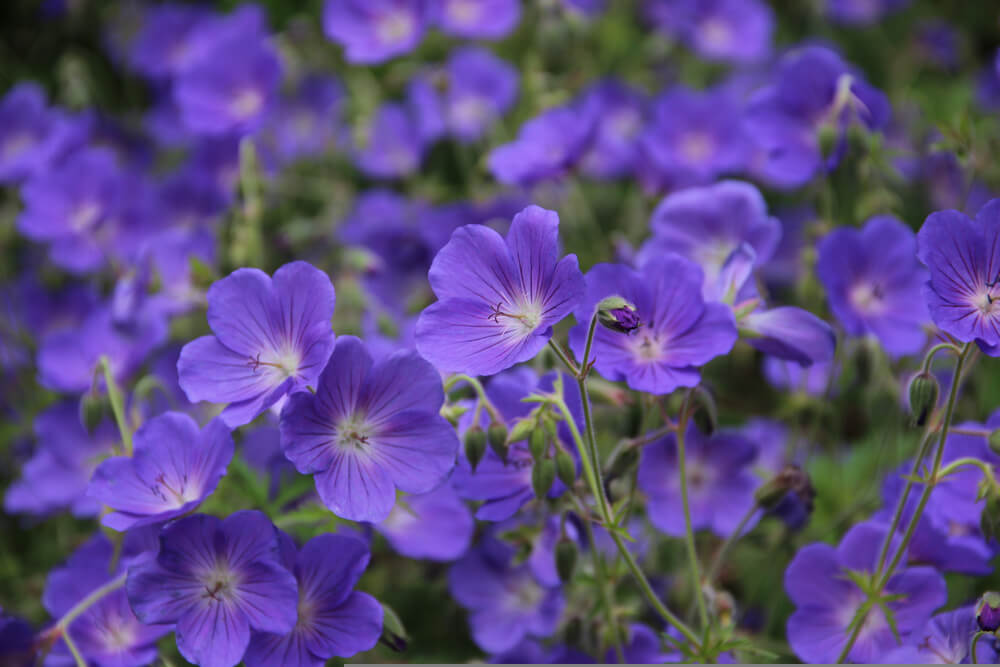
{"x":107,"y":633}
{"x":31,"y":134}
{"x":506,"y":603}
{"x":719,"y":480}
{"x":547,"y":146}
{"x":216,"y":579}
{"x":481,"y":87}
{"x":707,"y":224}
{"x":164,"y":45}
{"x":272,"y":337}
{"x":56,"y":476}
{"x":395,"y":144}
{"x":873,"y":281}
{"x":371,"y":427}
{"x":729,"y":30}
{"x":816,"y":86}
{"x":230,"y":87}
{"x":497,"y":301}
{"x":792,"y":376}
{"x":333,"y":619}
{"x":174,"y":467}
{"x":620,"y":112}
{"x":478,"y":19}
{"x":679,"y":331}
{"x":68,"y":358}
{"x":72,"y":207}
{"x":644,"y":647}
{"x":784,"y":149}
{"x":944,"y":639}
{"x":436,"y":525}
{"x":826,"y":598}
{"x":373,"y":31}
{"x":691,"y":137}
{"x":307,"y":123}
{"x":963,"y":256}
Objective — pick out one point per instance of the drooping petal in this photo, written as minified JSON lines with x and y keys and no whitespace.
{"x":351,"y":627}
{"x":790,"y":333}
{"x":356,"y":488}
{"x":214,"y":635}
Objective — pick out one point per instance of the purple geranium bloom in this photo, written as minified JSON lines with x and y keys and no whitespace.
{"x":395,"y":144}
{"x":164,"y":45}
{"x":644,"y":647}
{"x":481,"y":87}
{"x":307,"y":123}
{"x":373,"y":31}
{"x":792,"y":376}
{"x":826,"y":599}
{"x":620,"y":112}
{"x":505,"y":486}
{"x":873,"y":281}
{"x":784,"y":149}
{"x":963,"y":256}
{"x":333,"y":618}
{"x":719,"y":479}
{"x":498,"y":301}
{"x":707,"y":224}
{"x":816,"y":86}
{"x":505,"y":601}
{"x":478,"y":19}
{"x":230,"y":87}
{"x":945,"y":639}
{"x":72,"y":208}
{"x":272,"y":337}
{"x":370,"y":428}
{"x":56,"y":476}
{"x":67,"y":358}
{"x":216,"y":579}
{"x":31,"y":134}
{"x":691,"y":137}
{"x":728,"y":30}
{"x":17,"y":641}
{"x":174,"y":467}
{"x":436,"y":525}
{"x":547,"y":146}
{"x":679,"y":331}
{"x":107,"y":633}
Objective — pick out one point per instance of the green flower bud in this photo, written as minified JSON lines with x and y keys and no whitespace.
{"x":989,"y":520}
{"x":538,"y":444}
{"x":617,"y":314}
{"x":566,"y":553}
{"x":521,"y":431}
{"x":791,"y":478}
{"x":924,"y":393}
{"x":565,"y":467}
{"x":995,"y":442}
{"x":475,"y":446}
{"x":93,"y":409}
{"x":542,"y":476}
{"x":393,"y":632}
{"x":497,"y":435}
{"x":988,"y":612}
{"x":706,"y":415}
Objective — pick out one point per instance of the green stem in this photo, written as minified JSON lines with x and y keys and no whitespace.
{"x":929,"y":357}
{"x":71,"y":645}
{"x":688,"y":530}
{"x":85,"y":604}
{"x":563,"y":357}
{"x":588,"y":420}
{"x":720,"y":556}
{"x":117,"y":405}
{"x":939,"y":454}
{"x":972,"y":648}
{"x":606,"y":588}
{"x":477,"y":386}
{"x":858,"y":624}
{"x":901,"y":503}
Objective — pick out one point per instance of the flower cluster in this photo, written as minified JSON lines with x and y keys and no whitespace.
{"x":628,"y":332}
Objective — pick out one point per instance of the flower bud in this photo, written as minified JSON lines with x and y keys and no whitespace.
{"x":538,"y":444}
{"x":988,"y":612}
{"x":566,"y":553}
{"x":995,"y":442}
{"x":542,"y":476}
{"x":475,"y":446}
{"x":790,"y":479}
{"x":93,"y":408}
{"x":522,"y":430}
{"x":706,"y":415}
{"x":617,"y":314}
{"x":453,"y":412}
{"x":497,"y":436}
{"x":565,"y":467}
{"x":989,"y":520}
{"x":924,"y":392}
{"x":393,"y":633}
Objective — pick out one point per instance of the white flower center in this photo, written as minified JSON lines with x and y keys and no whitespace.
{"x":84,"y":216}
{"x":715,"y":33}
{"x":353,"y":434}
{"x":646,"y":345}
{"x":696,"y":146}
{"x":247,"y":103}
{"x":464,"y":12}
{"x":395,"y":27}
